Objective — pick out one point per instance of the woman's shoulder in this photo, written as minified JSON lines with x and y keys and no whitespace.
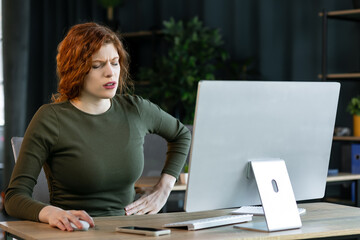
{"x":135,"y":103}
{"x":50,"y":110}
{"x":51,"y":107}
{"x":134,"y":100}
{"x":46,"y":117}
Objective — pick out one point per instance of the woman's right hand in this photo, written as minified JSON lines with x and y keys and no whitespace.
{"x":57,"y":217}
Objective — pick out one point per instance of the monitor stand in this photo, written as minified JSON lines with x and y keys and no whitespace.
{"x":277,"y":197}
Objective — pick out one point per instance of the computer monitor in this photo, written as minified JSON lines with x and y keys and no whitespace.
{"x":237,"y":121}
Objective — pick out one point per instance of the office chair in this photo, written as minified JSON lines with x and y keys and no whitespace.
{"x":41,"y":190}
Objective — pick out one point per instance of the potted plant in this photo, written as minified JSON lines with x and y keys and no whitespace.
{"x":185,"y":174}
{"x":109,"y":6}
{"x":354,"y":109}
{"x":193,"y":53}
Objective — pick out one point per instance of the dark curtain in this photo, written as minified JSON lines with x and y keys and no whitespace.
{"x":31,"y":32}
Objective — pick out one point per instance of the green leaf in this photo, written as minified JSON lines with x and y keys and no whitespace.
{"x":354,"y":106}
{"x":194,"y":53}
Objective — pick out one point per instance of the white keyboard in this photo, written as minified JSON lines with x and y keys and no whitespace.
{"x":211,"y":222}
{"x":257,"y":210}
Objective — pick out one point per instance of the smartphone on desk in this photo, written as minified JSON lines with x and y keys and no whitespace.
{"x":143,"y":230}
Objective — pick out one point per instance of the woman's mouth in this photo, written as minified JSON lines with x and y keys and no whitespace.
{"x":110,"y":85}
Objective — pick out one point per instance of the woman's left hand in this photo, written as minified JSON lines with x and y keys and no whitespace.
{"x":152,"y":202}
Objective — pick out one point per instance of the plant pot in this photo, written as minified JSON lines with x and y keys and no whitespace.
{"x":356,"y":125}
{"x":184,"y":178}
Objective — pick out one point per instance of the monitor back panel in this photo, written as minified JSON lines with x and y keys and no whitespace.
{"x":236,"y":121}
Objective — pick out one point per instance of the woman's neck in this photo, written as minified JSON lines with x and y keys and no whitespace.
{"x":92,"y":107}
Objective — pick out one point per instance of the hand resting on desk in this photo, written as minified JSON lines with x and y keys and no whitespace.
{"x":153,"y":201}
{"x":150,"y":203}
{"x":59,"y":218}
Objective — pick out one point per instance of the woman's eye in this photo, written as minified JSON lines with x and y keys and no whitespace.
{"x":95,"y":66}
{"x":114,"y":63}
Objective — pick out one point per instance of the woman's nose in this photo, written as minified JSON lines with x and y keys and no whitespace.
{"x":109,"y":72}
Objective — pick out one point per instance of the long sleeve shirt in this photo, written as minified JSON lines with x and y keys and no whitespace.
{"x":91,"y":161}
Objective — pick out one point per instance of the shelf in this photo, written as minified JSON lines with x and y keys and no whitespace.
{"x":141,"y":34}
{"x":340,"y":75}
{"x":142,"y":83}
{"x":147,"y":182}
{"x":347,"y":138}
{"x":349,"y":15}
{"x":352,"y":14}
{"x":343,"y":177}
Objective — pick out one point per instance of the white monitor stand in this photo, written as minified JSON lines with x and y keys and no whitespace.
{"x":276,"y":195}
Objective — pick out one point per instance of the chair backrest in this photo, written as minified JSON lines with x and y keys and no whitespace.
{"x":41,"y":190}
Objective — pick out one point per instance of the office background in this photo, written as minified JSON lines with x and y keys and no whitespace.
{"x":280,"y":38}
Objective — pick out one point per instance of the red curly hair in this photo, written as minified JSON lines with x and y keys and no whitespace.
{"x":74,"y":58}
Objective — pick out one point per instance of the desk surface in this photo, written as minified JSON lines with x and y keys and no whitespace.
{"x":321,"y":220}
{"x":145,"y":182}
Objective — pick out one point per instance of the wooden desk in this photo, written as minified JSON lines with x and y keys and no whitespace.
{"x":146,"y":182}
{"x":321,"y":220}
{"x":343,"y":177}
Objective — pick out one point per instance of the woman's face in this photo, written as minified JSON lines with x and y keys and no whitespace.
{"x":103,"y":78}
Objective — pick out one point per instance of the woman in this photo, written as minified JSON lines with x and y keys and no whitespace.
{"x":90,"y":139}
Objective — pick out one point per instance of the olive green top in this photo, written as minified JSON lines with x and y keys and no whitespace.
{"x":91,"y":161}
